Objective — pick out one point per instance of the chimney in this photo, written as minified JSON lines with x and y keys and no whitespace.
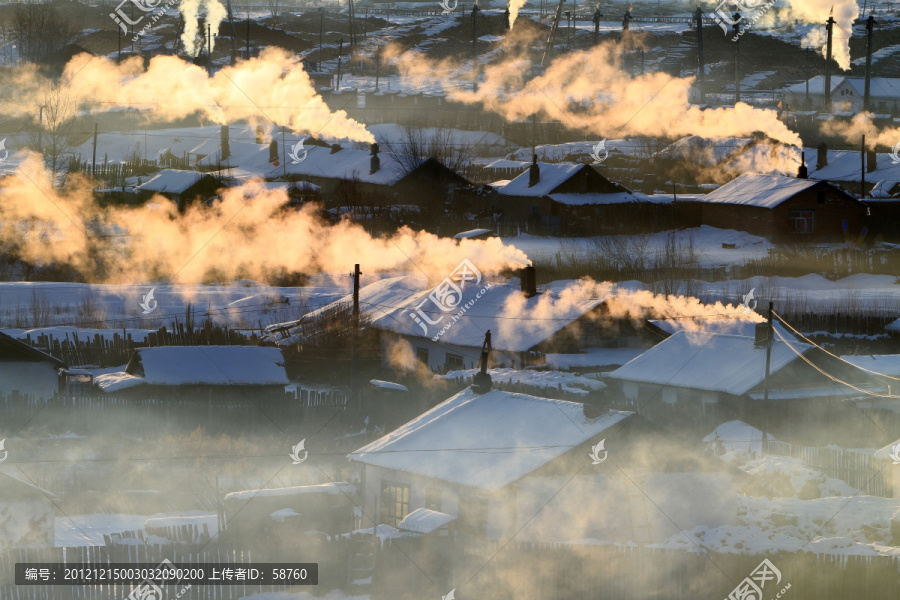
{"x":761,"y":336}
{"x":335,"y":148}
{"x":822,"y":159}
{"x":273,"y":151}
{"x":871,"y":160}
{"x":260,"y":134}
{"x":529,"y":282}
{"x":375,"y":163}
{"x":226,"y":149}
{"x":482,"y":383}
{"x":534,"y":172}
{"x":802,"y":172}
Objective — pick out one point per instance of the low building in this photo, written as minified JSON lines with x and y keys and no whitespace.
{"x":199,"y":372}
{"x":27,"y":371}
{"x":696,"y":379}
{"x":574,"y":198}
{"x":503,"y":464}
{"x":180,"y":186}
{"x":847,"y":94}
{"x":784,"y":209}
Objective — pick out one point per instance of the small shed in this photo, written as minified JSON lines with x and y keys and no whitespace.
{"x":179,"y":186}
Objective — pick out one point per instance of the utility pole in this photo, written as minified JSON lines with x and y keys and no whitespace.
{"x":862,"y":171}
{"x":769,"y":340}
{"x":119,"y":55}
{"x":870,"y":28}
{"x":94,"y":157}
{"x":340,"y":53}
{"x":248,"y":33}
{"x":701,"y":72}
{"x":737,"y":70}
{"x":41,"y":129}
{"x":321,"y":29}
{"x":829,"y":28}
{"x":354,"y":332}
{"x":597,"y":17}
{"x":475,"y":11}
{"x":283,"y":154}
{"x":208,"y":49}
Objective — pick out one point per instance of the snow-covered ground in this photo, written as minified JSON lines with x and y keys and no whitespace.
{"x":555,"y":380}
{"x":88,"y":530}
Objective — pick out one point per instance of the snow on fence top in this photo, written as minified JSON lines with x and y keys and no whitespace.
{"x":708,"y":361}
{"x":485,"y":441}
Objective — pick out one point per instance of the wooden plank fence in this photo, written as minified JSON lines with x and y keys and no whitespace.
{"x":861,"y":471}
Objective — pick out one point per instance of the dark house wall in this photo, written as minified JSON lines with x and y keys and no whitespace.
{"x":829,"y":206}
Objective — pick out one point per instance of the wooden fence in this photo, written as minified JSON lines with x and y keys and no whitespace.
{"x":406,"y":569}
{"x":861,"y":471}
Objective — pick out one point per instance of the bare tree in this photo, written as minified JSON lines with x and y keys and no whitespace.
{"x":275,"y":7}
{"x":57,"y":120}
{"x":40,"y":30}
{"x":416,"y":144}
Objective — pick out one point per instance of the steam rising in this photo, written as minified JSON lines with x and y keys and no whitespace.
{"x":815,"y":12}
{"x":244,"y":236}
{"x":588,"y":90}
{"x":273,"y":84}
{"x":190,"y":9}
{"x":514,"y":6}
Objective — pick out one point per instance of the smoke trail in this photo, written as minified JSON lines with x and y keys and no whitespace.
{"x":514,"y":6}
{"x":588,"y":90}
{"x":816,"y":12}
{"x":273,"y":85}
{"x":247,"y":235}
{"x":190,"y":10}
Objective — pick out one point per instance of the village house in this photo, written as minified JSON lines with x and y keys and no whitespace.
{"x":783,"y":209}
{"x":575,"y":199}
{"x":846,"y":94}
{"x":27,"y":515}
{"x":181,"y":187}
{"x":500,"y":464}
{"x":415,"y":329}
{"x":27,"y":371}
{"x":200,"y":372}
{"x":697,"y":379}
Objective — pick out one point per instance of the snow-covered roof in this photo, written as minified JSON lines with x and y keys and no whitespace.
{"x":844,"y":165}
{"x":472,"y":233}
{"x":616,"y":198}
{"x":348,"y":163}
{"x":12,"y":349}
{"x":737,"y":436}
{"x":423,"y":520}
{"x":879,"y":87}
{"x":504,"y":163}
{"x":212,"y":365}
{"x":893,"y":326}
{"x":114,"y":382}
{"x":551,"y":177}
{"x":516,"y":323}
{"x":388,"y":385}
{"x":754,"y":189}
{"x":730,"y":325}
{"x":485,"y":441}
{"x":882,"y":189}
{"x":172,"y":181}
{"x":299,"y":490}
{"x":707,"y":361}
{"x":887,"y":364}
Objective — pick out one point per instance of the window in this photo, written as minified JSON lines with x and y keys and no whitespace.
{"x":433,"y":499}
{"x":454,"y":362}
{"x":394,"y":503}
{"x":422,"y":355}
{"x":803,"y":221}
{"x":473,"y":515}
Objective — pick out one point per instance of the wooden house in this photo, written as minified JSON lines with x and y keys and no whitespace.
{"x":182,"y":187}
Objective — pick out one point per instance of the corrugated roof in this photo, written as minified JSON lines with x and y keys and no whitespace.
{"x":485,"y":441}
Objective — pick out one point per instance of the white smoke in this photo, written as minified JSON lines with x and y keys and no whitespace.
{"x":190,"y":11}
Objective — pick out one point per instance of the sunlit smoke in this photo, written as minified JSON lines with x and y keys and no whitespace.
{"x":514,"y":6}
{"x":190,"y":10}
{"x":589,"y":91}
{"x":245,"y":236}
{"x":816,"y":12}
{"x":272,"y":87}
